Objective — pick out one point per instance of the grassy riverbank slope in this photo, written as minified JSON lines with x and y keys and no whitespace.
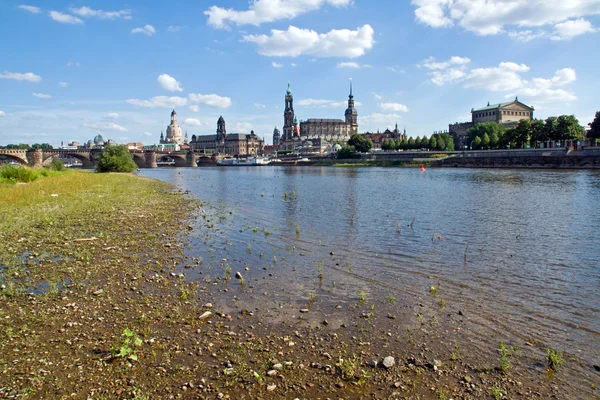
{"x":95,"y":304}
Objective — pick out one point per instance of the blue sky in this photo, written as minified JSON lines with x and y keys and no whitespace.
{"x":69,"y":69}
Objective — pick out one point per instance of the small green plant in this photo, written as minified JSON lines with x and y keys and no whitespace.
{"x":497,"y":393}
{"x":285,"y":196}
{"x":348,"y":368}
{"x":312,"y":296}
{"x":442,"y":395}
{"x":391,"y":299}
{"x":441,"y":303}
{"x":554,"y":358}
{"x":504,"y":358}
{"x":293,"y":194}
{"x":320,"y":271}
{"x":362,"y":296}
{"x":297,"y":229}
{"x":227,"y":271}
{"x":125,"y":349}
{"x":257,"y":376}
{"x":433,"y":290}
{"x":184,"y":293}
{"x":18,"y":174}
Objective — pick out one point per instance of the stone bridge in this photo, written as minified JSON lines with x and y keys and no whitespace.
{"x":89,"y":157}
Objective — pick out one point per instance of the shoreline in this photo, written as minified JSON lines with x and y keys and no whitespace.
{"x":114,"y":254}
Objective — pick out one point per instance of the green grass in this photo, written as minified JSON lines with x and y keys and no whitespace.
{"x":554,"y":358}
{"x":503,"y":358}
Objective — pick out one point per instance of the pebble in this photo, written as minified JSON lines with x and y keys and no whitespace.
{"x":279,"y":367}
{"x":208,"y":305}
{"x":270,"y":388}
{"x":389,"y":362}
{"x":98,"y":292}
{"x":238,"y":275}
{"x":304,"y":310}
{"x":204,"y":316}
{"x":272,"y":373}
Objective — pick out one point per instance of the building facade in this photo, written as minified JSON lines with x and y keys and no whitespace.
{"x":235,"y":144}
{"x":508,"y":114}
{"x":316,"y":134}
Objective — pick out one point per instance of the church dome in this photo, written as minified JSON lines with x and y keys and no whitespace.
{"x":99,"y":140}
{"x":276,"y":130}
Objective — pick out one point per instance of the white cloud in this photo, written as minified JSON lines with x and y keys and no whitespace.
{"x":440,"y":78}
{"x":63,"y":84}
{"x":112,"y":115}
{"x":430,"y":63}
{"x":174,"y":28}
{"x":569,"y":29}
{"x":352,"y":64}
{"x":544,"y":90}
{"x":41,"y":95}
{"x":293,"y":65}
{"x":146,"y":30}
{"x":169,"y":83}
{"x":73,"y":64}
{"x":526,"y":35}
{"x":322,"y":103}
{"x":159,"y":101}
{"x":243,"y":127}
{"x":259,"y":106}
{"x":377,"y":97}
{"x":261,"y":11}
{"x":378,"y":119}
{"x":393,"y":107}
{"x":296,"y":41}
{"x":396,"y":70}
{"x":211,"y":100}
{"x":192,"y":121}
{"x":2,"y":113}
{"x":107,"y":126}
{"x":194,"y":108}
{"x":276,"y":65}
{"x":504,"y":77}
{"x":491,"y":17}
{"x":87,"y":12}
{"x":31,"y":9}
{"x":28,"y":76}
{"x":64,"y":18}
{"x":149,"y":134}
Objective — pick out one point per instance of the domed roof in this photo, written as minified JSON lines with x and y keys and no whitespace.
{"x":98,"y":140}
{"x":289,"y":90}
{"x":173,"y":112}
{"x":276,"y":130}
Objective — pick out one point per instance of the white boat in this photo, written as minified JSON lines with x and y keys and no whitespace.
{"x":250,"y":161}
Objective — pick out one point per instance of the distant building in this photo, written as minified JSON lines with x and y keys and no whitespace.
{"x":378,"y":138}
{"x":135,"y":146}
{"x":316,"y":133}
{"x":174,"y":133}
{"x":276,"y":136}
{"x":508,"y":114}
{"x":237,"y":144}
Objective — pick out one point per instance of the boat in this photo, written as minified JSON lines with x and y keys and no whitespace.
{"x":250,"y":161}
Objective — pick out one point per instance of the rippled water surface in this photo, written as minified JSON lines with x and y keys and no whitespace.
{"x":518,"y":249}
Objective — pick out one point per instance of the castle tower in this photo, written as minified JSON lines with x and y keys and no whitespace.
{"x":351,"y":113}
{"x":276,"y":136}
{"x":221,"y":133}
{"x":288,"y":115}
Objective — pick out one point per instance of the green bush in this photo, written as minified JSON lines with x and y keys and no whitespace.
{"x":116,"y":159}
{"x":57,"y":165}
{"x":18,"y":174}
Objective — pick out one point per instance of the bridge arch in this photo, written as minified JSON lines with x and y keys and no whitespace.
{"x":84,"y":158}
{"x":15,"y":157}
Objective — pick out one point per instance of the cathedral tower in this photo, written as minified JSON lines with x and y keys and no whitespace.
{"x":276,"y":136}
{"x":221,"y":133}
{"x":351,"y":113}
{"x":174,"y":131}
{"x":288,"y":115}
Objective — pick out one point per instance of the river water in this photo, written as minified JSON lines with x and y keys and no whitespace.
{"x":519,"y":249}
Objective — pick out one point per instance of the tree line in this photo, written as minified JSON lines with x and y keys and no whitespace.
{"x":25,"y":146}
{"x":437,"y":141}
{"x":492,"y":136}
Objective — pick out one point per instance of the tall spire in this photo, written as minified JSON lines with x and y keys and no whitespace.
{"x":351,"y":87}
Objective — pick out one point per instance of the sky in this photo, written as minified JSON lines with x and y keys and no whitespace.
{"x":69,"y":70}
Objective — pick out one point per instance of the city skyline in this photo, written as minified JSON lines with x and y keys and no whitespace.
{"x":73,"y":68}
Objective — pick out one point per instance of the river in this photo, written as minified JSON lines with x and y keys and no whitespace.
{"x":517,"y":249}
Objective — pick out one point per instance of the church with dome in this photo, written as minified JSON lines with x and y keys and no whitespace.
{"x":315,"y":135}
{"x":174,"y":132}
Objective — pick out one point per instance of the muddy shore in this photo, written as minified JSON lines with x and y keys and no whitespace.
{"x":97,"y":302}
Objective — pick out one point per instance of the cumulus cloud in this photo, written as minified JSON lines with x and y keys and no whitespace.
{"x":491,"y":17}
{"x":545,"y":90}
{"x":569,"y":29}
{"x":393,"y":107}
{"x":63,"y":84}
{"x":276,"y":65}
{"x":112,"y":115}
{"x":41,"y":95}
{"x":191,"y":121}
{"x":259,"y":106}
{"x":295,"y":42}
{"x":261,"y":11}
{"x":64,"y":18}
{"x":352,"y":64}
{"x":243,"y":127}
{"x":28,"y":76}
{"x":503,"y":77}
{"x":322,"y":103}
{"x":446,"y":71}
{"x":194,"y":108}
{"x":146,"y":30}
{"x":159,"y":102}
{"x":169,"y":83}
{"x":106,"y":126}
{"x":147,"y":134}
{"x":378,"y":119}
{"x":2,"y":113}
{"x":72,"y":64}
{"x":430,"y":63}
{"x":174,"y":28}
{"x":87,"y":12}
{"x":211,"y":100}
{"x":526,"y":35}
{"x":31,"y":9}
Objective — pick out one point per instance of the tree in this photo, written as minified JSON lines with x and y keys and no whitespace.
{"x":441,"y":143}
{"x":432,"y":142}
{"x":485,"y":127}
{"x":115,"y":159}
{"x":387,"y":144}
{"x":594,"y":132}
{"x":476,"y":143}
{"x":522,"y":132}
{"x":485,"y":141}
{"x":448,"y":141}
{"x":538,"y":133}
{"x":494,"y":140}
{"x":411,"y":144}
{"x":551,"y":128}
{"x":360,"y":143}
{"x":402,"y":145}
{"x":569,"y":128}
{"x":43,"y":146}
{"x":348,"y":151}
